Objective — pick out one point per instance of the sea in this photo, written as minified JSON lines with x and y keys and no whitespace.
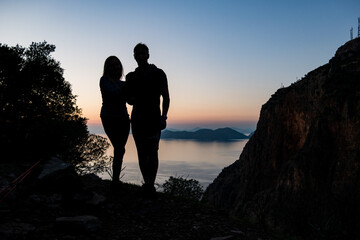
{"x":189,"y":159}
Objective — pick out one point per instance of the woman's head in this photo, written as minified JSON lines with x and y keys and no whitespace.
{"x":113,"y":68}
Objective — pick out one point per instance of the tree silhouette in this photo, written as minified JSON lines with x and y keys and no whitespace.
{"x":39,"y":116}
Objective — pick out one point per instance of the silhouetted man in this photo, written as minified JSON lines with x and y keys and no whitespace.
{"x":146,"y":85}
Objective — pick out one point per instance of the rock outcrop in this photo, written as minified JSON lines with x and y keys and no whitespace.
{"x":300,"y":169}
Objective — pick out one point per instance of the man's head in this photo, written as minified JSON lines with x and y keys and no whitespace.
{"x":141,"y":54}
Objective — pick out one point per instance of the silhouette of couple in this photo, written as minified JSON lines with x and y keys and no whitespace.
{"x":142,"y":89}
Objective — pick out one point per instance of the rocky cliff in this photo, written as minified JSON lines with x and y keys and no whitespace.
{"x":300,"y":170}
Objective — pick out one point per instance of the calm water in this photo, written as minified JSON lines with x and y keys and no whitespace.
{"x":202,"y":161}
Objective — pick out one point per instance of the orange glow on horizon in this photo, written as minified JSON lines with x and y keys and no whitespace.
{"x":95,"y":120}
{"x":204,"y":115}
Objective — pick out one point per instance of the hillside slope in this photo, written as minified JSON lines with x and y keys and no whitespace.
{"x":53,"y":202}
{"x":300,"y":170}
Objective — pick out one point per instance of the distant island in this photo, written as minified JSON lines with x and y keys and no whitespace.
{"x":220,"y":134}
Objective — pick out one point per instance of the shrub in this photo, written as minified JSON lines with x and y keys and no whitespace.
{"x":181,"y":187}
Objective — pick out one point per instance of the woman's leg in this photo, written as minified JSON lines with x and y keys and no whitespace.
{"x":117,"y":130}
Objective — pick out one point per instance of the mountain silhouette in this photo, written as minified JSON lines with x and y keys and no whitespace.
{"x":220,"y":134}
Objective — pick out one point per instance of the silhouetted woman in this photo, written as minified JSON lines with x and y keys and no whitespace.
{"x":114,"y":115}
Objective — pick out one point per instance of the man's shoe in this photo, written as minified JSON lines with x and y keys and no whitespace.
{"x":149,"y":191}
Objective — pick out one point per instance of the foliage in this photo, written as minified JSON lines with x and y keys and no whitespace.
{"x":39,"y":116}
{"x":107,"y":167}
{"x":187,"y":188}
{"x":91,"y":156}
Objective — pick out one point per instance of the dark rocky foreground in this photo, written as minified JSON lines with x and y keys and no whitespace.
{"x":53,"y":202}
{"x":300,"y":171}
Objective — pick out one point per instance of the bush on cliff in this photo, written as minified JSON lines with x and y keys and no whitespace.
{"x":181,"y":187}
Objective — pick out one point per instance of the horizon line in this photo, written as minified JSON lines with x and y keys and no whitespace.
{"x":242,"y":126}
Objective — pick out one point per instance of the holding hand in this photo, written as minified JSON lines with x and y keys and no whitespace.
{"x":163,"y":122}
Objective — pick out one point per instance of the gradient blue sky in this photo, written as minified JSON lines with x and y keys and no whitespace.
{"x":223,"y":59}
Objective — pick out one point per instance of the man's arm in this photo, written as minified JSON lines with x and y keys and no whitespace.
{"x":129,"y":96}
{"x":166,"y":101}
{"x":165,"y":106}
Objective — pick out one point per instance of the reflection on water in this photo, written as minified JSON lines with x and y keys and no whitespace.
{"x":202,"y":161}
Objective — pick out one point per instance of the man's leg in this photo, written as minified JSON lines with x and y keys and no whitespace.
{"x":152,"y":161}
{"x":149,"y":164}
{"x":147,"y":147}
{"x":141,"y":151}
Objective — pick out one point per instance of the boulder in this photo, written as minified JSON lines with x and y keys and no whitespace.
{"x":58,"y":176}
{"x":54,"y":166}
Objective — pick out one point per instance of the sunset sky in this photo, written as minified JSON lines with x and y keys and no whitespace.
{"x":223,"y":58}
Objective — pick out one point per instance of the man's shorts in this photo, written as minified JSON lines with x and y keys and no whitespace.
{"x":146,"y":143}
